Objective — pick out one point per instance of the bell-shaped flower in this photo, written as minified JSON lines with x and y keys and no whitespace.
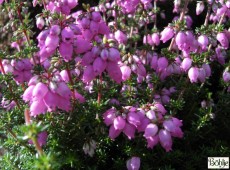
{"x":129,"y":130}
{"x":226,"y":76}
{"x":199,"y":7}
{"x":88,"y":74}
{"x":222,"y":38}
{"x":87,"y":59}
{"x":186,"y":64}
{"x":133,"y":163}
{"x":114,"y":55}
{"x":156,"y":39}
{"x":150,"y":130}
{"x":193,"y":74}
{"x":55,"y":30}
{"x":203,"y":41}
{"x":40,"y":23}
{"x":152,"y":141}
{"x":133,"y":118}
{"x":151,"y":115}
{"x":162,"y":63}
{"x":126,"y":72}
{"x":66,"y":51}
{"x":109,"y":116}
{"x":160,"y":108}
{"x":63,"y":90}
{"x":51,"y":101}
{"x":207,"y":69}
{"x":202,"y":75}
{"x":114,"y":71}
{"x":64,"y":75}
{"x":113,"y":133}
{"x":167,"y":34}
{"x":165,"y":139}
{"x":99,"y":65}
{"x":72,"y":3}
{"x":180,"y":39}
{"x":81,"y":45}
{"x":37,"y":107}
{"x":27,"y":95}
{"x":67,"y":35}
{"x":96,"y":16}
{"x":39,"y":91}
{"x":120,"y":37}
{"x":119,"y":123}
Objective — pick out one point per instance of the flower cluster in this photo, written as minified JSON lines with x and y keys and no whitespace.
{"x":150,"y":119}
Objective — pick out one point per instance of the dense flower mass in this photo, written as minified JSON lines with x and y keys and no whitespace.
{"x":134,"y":73}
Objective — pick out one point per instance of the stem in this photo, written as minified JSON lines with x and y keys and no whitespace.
{"x":222,"y":19}
{"x":99,"y":91}
{"x":38,"y":147}
{"x":24,"y":31}
{"x":208,"y":15}
{"x":181,"y":19}
{"x":155,"y":19}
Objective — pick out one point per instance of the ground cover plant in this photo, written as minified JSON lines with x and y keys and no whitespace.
{"x":123,"y":84}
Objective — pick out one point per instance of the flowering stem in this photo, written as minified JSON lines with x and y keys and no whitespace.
{"x":181,"y":19}
{"x":24,"y":31}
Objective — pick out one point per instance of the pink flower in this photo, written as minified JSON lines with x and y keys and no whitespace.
{"x":113,"y":133}
{"x":156,"y":39}
{"x":119,"y":123}
{"x":39,"y":91}
{"x":126,"y":72}
{"x":162,"y":63}
{"x":203,"y":41}
{"x":207,"y":69}
{"x":114,"y":55}
{"x":151,"y":130}
{"x":99,"y":65}
{"x":165,"y":140}
{"x":114,"y":71}
{"x":129,"y":130}
{"x":37,"y":107}
{"x":193,"y":74}
{"x":186,"y":64}
{"x":66,"y":51}
{"x":67,"y":35}
{"x":109,"y":116}
{"x":40,"y":23}
{"x":133,"y":163}
{"x":199,"y":7}
{"x":88,"y":74}
{"x":167,"y":34}
{"x":221,"y":37}
{"x":152,"y":141}
{"x":226,"y":76}
{"x":120,"y":37}
{"x":160,"y":108}
{"x":133,"y":118}
{"x":151,"y":115}
{"x":96,"y":16}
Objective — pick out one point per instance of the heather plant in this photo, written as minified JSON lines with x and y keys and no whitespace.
{"x":123,"y":84}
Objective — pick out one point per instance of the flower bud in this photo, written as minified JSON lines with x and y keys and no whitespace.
{"x":40,"y":22}
{"x":199,"y":7}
